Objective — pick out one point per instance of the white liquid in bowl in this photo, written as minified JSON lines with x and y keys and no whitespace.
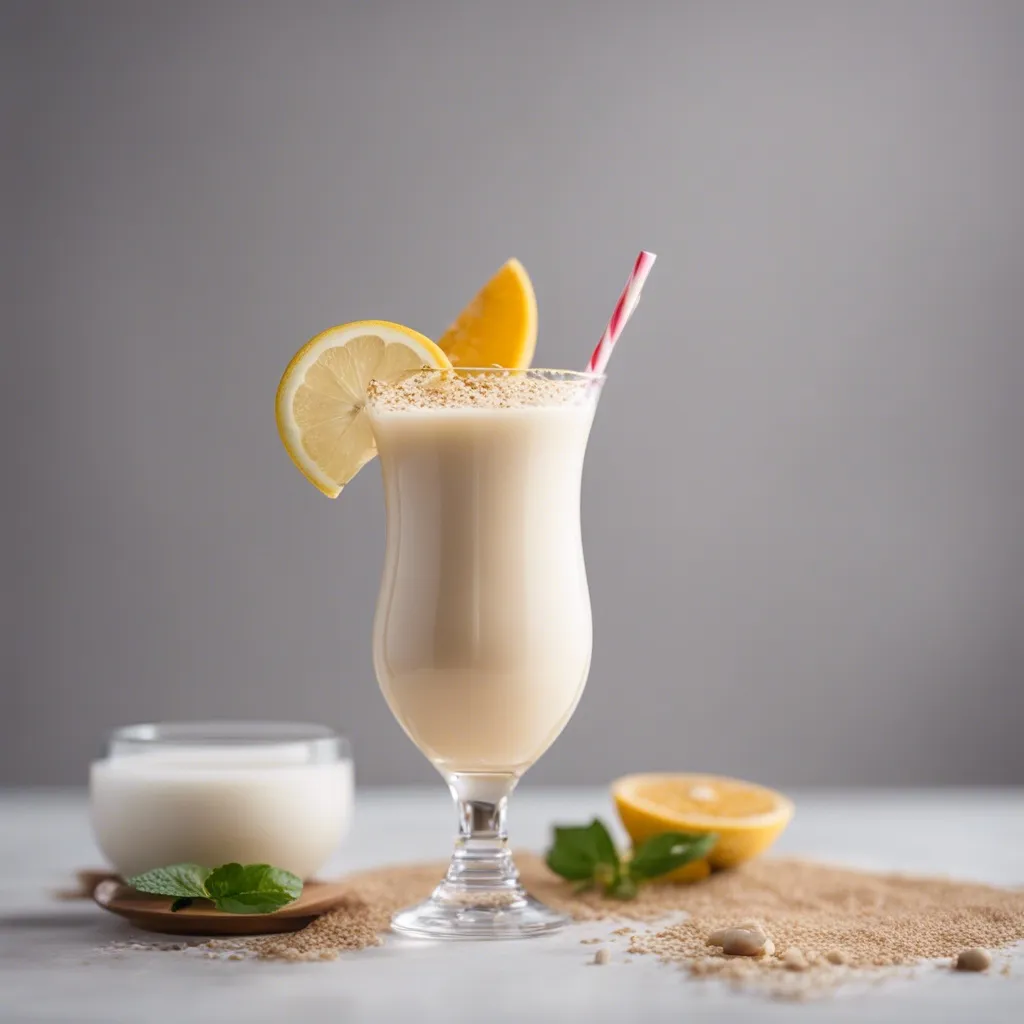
{"x":262,"y":804}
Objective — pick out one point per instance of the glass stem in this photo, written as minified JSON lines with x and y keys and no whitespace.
{"x":481,"y":861}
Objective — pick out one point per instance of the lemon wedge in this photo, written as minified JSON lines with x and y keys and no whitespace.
{"x":747,"y":818}
{"x":499,"y":327}
{"x":320,"y":401}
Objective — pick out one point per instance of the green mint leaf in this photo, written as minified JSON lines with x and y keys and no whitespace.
{"x":608,"y":872}
{"x":604,"y":847}
{"x":252,"y":888}
{"x":181,"y":903}
{"x":668,"y":851}
{"x":265,"y":902}
{"x":585,"y":854}
{"x":573,"y":854}
{"x":231,"y":879}
{"x":176,"y":880}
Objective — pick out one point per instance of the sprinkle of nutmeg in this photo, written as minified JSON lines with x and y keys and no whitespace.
{"x":431,"y":389}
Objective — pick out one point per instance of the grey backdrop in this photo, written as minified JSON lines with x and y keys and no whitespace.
{"x":804,"y":498}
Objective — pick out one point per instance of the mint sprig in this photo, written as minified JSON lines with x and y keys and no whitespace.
{"x":587,"y":855}
{"x":233,"y":888}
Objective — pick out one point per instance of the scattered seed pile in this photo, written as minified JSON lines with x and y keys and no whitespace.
{"x":820,"y":925}
{"x":357,"y":922}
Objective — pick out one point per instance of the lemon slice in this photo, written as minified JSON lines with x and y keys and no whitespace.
{"x":320,"y":400}
{"x":499,"y":327}
{"x":747,"y":818}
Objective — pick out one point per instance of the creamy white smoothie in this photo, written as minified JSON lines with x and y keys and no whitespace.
{"x":482,"y":637}
{"x":211,"y":805}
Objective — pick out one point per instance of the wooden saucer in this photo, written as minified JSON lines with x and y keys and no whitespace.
{"x":153,"y":913}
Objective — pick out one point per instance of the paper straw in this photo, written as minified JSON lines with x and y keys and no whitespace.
{"x":623,"y":311}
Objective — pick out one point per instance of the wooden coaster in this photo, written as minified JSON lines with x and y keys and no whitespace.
{"x":154,"y":914}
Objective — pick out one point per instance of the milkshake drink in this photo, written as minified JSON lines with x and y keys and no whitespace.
{"x":482,"y":638}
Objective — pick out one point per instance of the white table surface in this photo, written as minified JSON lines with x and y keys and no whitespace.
{"x":53,"y":966}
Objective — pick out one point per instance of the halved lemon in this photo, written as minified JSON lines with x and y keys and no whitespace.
{"x":320,"y":401}
{"x":748,"y":818}
{"x":499,"y":327}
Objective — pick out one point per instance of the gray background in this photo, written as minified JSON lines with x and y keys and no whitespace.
{"x":804,"y":498}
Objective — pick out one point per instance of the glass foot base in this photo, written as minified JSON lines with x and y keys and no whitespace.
{"x":487,"y":915}
{"x":480,"y":897}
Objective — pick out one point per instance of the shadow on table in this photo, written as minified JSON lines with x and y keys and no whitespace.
{"x":59,"y":919}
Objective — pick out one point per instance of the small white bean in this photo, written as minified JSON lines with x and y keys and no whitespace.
{"x":740,"y":942}
{"x":716,"y":938}
{"x":974,"y":960}
{"x":794,"y":959}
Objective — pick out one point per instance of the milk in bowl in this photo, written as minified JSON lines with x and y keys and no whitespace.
{"x":215,"y":792}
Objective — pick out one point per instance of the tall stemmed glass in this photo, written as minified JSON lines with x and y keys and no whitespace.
{"x":482,"y":637}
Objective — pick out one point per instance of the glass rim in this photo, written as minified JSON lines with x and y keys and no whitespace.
{"x":568,"y":387}
{"x":320,"y":741}
{"x":583,"y":376}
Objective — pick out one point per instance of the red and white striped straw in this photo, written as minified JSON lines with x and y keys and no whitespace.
{"x":623,"y":311}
